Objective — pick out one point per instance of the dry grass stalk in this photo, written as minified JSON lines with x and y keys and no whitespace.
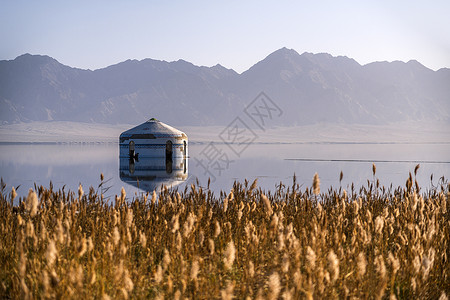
{"x":290,"y":244}
{"x":316,"y":184}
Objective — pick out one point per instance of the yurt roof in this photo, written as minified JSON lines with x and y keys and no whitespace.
{"x":156,"y":128}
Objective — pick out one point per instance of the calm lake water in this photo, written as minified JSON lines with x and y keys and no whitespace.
{"x":69,"y":165}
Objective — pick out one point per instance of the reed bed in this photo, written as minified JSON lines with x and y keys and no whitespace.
{"x":372,"y":242}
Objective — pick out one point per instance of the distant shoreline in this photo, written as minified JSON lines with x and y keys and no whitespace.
{"x":62,"y":132}
{"x":222,"y":143}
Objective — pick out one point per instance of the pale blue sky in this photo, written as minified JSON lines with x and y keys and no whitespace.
{"x":237,"y":34}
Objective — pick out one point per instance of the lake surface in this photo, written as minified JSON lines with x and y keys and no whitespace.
{"x":24,"y":165}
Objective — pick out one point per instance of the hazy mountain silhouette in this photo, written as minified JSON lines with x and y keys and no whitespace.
{"x":309,"y":88}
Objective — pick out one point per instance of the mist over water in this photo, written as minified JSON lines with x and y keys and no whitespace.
{"x":69,"y":165}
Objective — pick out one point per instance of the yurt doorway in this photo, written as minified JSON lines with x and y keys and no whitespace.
{"x":169,"y":154}
{"x":132,"y":151}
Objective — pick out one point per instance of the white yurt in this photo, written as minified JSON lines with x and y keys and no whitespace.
{"x":153,"y":154}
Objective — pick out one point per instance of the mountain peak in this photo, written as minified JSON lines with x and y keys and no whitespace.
{"x":415,"y":64}
{"x":281,"y":59}
{"x":284,"y":52}
{"x":219,"y":67}
{"x":27,"y":57}
{"x":221,"y":71}
{"x":291,"y":61}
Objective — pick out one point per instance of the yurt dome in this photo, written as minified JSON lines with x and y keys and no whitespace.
{"x":153,"y":154}
{"x":152,"y":129}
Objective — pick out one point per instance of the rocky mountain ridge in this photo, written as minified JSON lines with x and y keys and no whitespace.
{"x":308,"y":88}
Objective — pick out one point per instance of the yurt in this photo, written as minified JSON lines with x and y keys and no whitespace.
{"x":153,"y":154}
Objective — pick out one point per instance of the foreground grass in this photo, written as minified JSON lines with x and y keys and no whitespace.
{"x":290,"y":244}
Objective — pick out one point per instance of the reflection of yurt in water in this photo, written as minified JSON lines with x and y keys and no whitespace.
{"x":153,"y":154}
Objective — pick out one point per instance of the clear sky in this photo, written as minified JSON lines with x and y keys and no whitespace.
{"x":237,"y":34}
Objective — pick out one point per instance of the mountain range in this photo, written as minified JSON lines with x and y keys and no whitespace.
{"x":308,"y":88}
